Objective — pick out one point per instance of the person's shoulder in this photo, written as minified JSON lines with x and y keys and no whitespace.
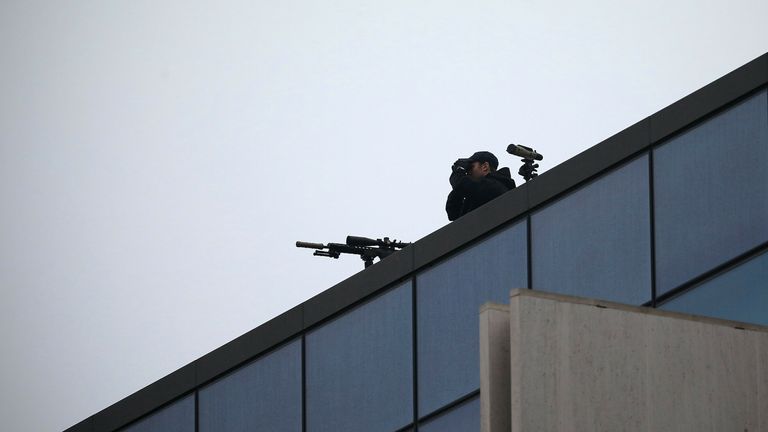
{"x":503,"y":176}
{"x":502,"y":173}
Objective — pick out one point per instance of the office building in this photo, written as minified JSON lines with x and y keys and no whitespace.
{"x":669,"y":214}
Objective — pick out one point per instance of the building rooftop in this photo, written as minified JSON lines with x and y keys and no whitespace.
{"x":481,"y":223}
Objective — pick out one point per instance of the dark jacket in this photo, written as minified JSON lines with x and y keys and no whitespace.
{"x":469,"y":194}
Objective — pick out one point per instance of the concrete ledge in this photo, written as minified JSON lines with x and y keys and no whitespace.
{"x":577,"y":364}
{"x":523,"y":292}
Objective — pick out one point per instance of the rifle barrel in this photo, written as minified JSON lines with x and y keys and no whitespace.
{"x":309,"y":245}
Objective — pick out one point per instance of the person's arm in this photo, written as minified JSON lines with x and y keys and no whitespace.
{"x":453,"y":205}
{"x":465,"y":185}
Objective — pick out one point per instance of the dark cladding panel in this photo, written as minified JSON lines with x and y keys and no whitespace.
{"x":740,"y":294}
{"x":177,"y":417}
{"x":595,"y":242}
{"x":711,"y":193}
{"x":449,"y":297}
{"x":263,"y":395}
{"x":360,"y":367}
{"x":463,"y":418}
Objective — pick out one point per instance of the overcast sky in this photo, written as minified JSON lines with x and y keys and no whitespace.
{"x":158,"y":159}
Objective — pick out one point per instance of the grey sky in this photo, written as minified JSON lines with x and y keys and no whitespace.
{"x":159,"y":159}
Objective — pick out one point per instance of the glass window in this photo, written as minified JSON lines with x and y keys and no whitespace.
{"x":449,"y":297}
{"x":177,"y":417}
{"x":740,"y":294}
{"x":463,"y":418}
{"x":360,"y":367}
{"x":711,"y":193}
{"x":596,"y":241}
{"x":264,"y":395}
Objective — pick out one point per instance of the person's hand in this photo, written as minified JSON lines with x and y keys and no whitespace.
{"x":456,"y":176}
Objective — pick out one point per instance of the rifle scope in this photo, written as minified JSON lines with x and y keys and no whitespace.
{"x":369,"y":242}
{"x":361,"y":241}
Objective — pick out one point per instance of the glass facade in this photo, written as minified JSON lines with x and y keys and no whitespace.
{"x":740,"y":294}
{"x":711,"y":192}
{"x":596,"y":241}
{"x":360,"y":367}
{"x":177,"y":417}
{"x":264,"y":395}
{"x":462,"y":418}
{"x":449,"y":297}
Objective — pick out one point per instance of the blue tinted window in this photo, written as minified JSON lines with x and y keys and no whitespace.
{"x":463,"y":418}
{"x":740,"y":294}
{"x":177,"y":417}
{"x":262,"y":396}
{"x":360,"y":367}
{"x":449,"y":299}
{"x":711,"y":193}
{"x":595,"y":242}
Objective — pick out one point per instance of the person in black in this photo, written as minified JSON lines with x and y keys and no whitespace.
{"x":475,"y":181}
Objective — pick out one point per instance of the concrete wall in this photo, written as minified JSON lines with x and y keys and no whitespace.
{"x":494,"y":368}
{"x":584,"y":365}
